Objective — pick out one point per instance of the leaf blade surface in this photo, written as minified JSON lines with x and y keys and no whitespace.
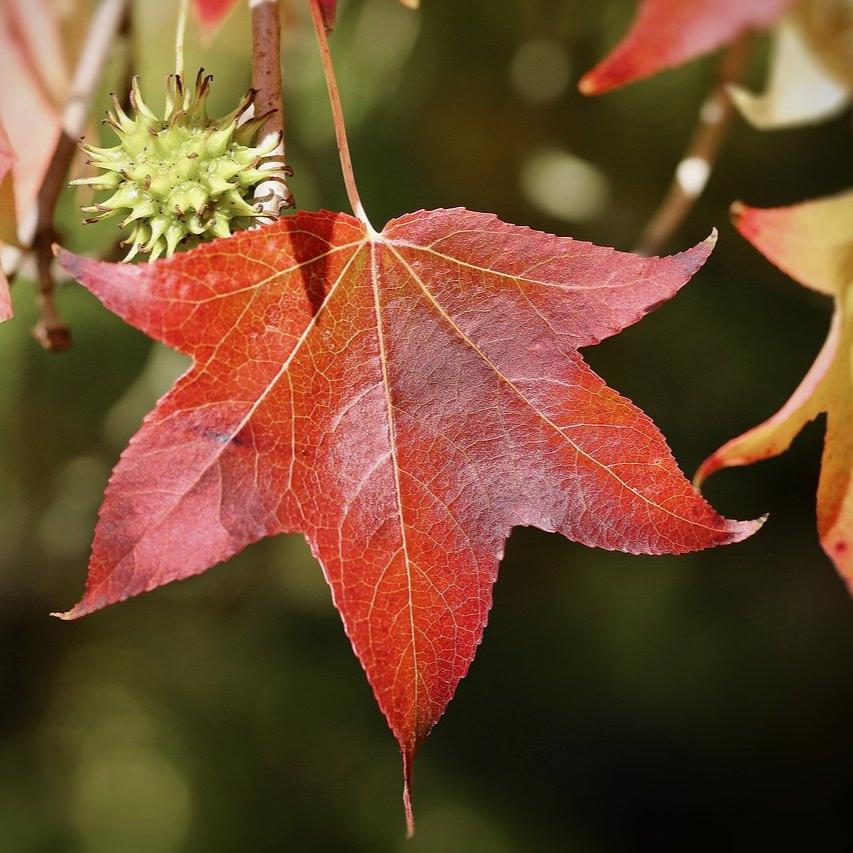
{"x":403,"y":399}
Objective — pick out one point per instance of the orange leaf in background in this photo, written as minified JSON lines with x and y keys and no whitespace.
{"x":666,"y":33}
{"x":404,"y":399}
{"x":813,"y":243}
{"x":810,"y":76}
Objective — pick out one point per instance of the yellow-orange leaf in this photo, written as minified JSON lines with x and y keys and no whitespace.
{"x":813,"y":243}
{"x":811,"y":72}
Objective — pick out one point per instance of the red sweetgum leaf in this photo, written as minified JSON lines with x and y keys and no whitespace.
{"x":666,"y":33}
{"x":403,"y":399}
{"x":813,"y":243}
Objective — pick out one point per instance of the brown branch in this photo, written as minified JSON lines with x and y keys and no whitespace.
{"x":695,"y":167}
{"x":273,"y":193}
{"x":37,"y":231}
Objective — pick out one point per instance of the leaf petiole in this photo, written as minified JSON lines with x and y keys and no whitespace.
{"x":338,"y":115}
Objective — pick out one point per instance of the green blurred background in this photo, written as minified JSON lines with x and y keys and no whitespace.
{"x":618,"y":703}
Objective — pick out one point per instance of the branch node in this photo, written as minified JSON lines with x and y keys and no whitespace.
{"x":273,"y":193}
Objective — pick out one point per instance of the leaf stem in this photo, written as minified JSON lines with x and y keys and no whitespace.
{"x":698,"y":161}
{"x":272,"y":194}
{"x":337,"y":114}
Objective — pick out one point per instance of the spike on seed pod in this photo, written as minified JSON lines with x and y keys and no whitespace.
{"x":180,"y":179}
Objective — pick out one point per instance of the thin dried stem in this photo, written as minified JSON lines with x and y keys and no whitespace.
{"x":698,"y":161}
{"x":337,"y":113}
{"x":37,"y":231}
{"x":51,"y":332}
{"x":272,"y":194}
{"x":180,"y":32}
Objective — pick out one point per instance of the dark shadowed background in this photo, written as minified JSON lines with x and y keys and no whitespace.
{"x":617,"y":703}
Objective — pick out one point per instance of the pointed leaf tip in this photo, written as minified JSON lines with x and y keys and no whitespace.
{"x":82,"y":608}
{"x":587,"y":85}
{"x":693,"y":259}
{"x":708,"y":245}
{"x":408,"y":761}
{"x":212,"y":13}
{"x":407,"y":807}
{"x":745,"y":529}
{"x":66,"y":616}
{"x":667,"y":33}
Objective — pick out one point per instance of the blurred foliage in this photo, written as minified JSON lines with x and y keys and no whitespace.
{"x":618,"y":703}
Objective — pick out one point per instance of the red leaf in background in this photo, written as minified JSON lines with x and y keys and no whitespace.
{"x":7,"y":159}
{"x":28,"y":96}
{"x":403,"y":399}
{"x":813,"y":243}
{"x":211,"y":13}
{"x":666,"y":33}
{"x":329,"y":11}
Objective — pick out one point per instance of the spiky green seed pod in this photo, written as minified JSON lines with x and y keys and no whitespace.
{"x":181,"y":179}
